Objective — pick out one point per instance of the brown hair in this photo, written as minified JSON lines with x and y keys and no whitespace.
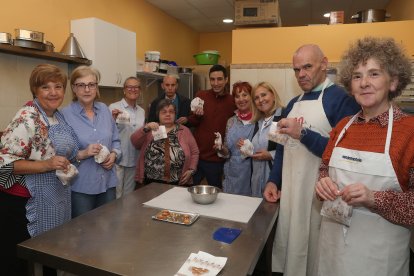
{"x":164,"y":103}
{"x":44,"y":73}
{"x":386,"y":52}
{"x":84,"y":71}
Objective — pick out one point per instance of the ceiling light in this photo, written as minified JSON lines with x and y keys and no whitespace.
{"x":328,"y":14}
{"x":227,"y":20}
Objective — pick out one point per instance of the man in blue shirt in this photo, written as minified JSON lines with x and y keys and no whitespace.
{"x":308,"y":120}
{"x":129,"y":116}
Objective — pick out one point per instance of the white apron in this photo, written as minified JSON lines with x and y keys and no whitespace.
{"x":371,"y":245}
{"x":297,"y":231}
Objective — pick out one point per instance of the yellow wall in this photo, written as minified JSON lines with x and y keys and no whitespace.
{"x":155,"y":30}
{"x":276,"y":45}
{"x":401,"y":9}
{"x":217,"y":41}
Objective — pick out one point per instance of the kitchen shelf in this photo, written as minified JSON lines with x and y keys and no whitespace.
{"x":150,"y":77}
{"x":16,"y":50}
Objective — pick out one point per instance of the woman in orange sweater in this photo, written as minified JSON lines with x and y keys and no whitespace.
{"x":367,"y":171}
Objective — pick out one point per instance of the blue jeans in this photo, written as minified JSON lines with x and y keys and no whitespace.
{"x":82,"y":203}
{"x":212,"y":171}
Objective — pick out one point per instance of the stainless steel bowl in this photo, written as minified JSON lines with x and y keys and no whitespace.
{"x":203,"y":194}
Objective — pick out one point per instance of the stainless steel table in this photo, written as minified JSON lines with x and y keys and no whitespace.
{"x":121,"y":238}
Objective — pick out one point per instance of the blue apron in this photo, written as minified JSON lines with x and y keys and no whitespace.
{"x":50,"y":202}
{"x":237,"y":171}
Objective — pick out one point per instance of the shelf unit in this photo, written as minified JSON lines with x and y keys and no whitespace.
{"x":16,"y":50}
{"x":150,"y":77}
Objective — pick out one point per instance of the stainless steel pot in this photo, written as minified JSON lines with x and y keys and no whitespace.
{"x":29,"y":35}
{"x":49,"y":47}
{"x":371,"y":15}
{"x":6,"y":38}
{"x":185,"y":70}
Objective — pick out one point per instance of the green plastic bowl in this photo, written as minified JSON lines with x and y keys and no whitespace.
{"x":206,"y":58}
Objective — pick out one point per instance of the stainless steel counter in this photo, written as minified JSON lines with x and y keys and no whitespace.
{"x":121,"y":238}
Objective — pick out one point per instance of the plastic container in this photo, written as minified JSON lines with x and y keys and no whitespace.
{"x":152,"y":61}
{"x":163,"y":66}
{"x":206,"y":58}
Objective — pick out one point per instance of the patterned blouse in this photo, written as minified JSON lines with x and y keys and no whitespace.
{"x":164,"y":158}
{"x":17,"y":143}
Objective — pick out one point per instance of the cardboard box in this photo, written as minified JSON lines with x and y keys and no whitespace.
{"x":336,"y":17}
{"x":256,"y":12}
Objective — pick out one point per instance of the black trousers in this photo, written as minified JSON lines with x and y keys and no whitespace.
{"x":13,"y":230}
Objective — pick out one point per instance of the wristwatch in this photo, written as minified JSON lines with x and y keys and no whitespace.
{"x":303,"y":132}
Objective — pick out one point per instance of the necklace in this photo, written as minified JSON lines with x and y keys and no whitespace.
{"x":266,"y":120}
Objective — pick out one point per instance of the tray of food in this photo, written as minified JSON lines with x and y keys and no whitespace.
{"x":176,"y":217}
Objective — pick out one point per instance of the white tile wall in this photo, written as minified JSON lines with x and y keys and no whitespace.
{"x":14,"y":84}
{"x":283,"y":79}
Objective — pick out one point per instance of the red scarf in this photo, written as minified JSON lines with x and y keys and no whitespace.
{"x":244,"y":116}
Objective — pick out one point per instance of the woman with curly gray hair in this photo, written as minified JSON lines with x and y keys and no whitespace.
{"x":367,"y":172}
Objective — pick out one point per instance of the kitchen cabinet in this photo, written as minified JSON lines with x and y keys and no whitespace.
{"x":111,"y":48}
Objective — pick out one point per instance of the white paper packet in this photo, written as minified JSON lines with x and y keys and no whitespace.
{"x":337,"y":210}
{"x":247,"y":149}
{"x":275,"y":135}
{"x":123,"y":118}
{"x":203,"y":264}
{"x":196,"y":103}
{"x":161,"y":133}
{"x":65,"y":178}
{"x":102,"y":155}
{"x":218,"y":141}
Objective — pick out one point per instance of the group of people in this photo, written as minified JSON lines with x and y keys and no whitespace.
{"x":347,"y":168}
{"x":40,"y":144}
{"x":344,"y":174}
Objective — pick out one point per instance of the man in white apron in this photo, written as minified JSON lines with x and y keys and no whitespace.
{"x":309,"y":119}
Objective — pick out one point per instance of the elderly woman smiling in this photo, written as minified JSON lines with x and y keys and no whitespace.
{"x":171,"y":160}
{"x":35,"y":144}
{"x":95,"y":128}
{"x":368,"y":165}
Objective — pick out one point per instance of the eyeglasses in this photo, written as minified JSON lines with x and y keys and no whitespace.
{"x":82,"y":86}
{"x":132,"y":88}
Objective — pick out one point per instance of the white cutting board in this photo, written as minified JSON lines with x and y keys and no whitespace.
{"x":227,"y":206}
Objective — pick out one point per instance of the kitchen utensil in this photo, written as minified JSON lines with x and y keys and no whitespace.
{"x":49,"y":47}
{"x":72,"y":48}
{"x":371,"y":15}
{"x":203,"y":194}
{"x":177,"y":217}
{"x":211,"y":52}
{"x":29,"y":44}
{"x":163,"y":66}
{"x":29,"y":35}
{"x":6,"y":38}
{"x":185,"y":70}
{"x":172,"y":70}
{"x":206,"y":58}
